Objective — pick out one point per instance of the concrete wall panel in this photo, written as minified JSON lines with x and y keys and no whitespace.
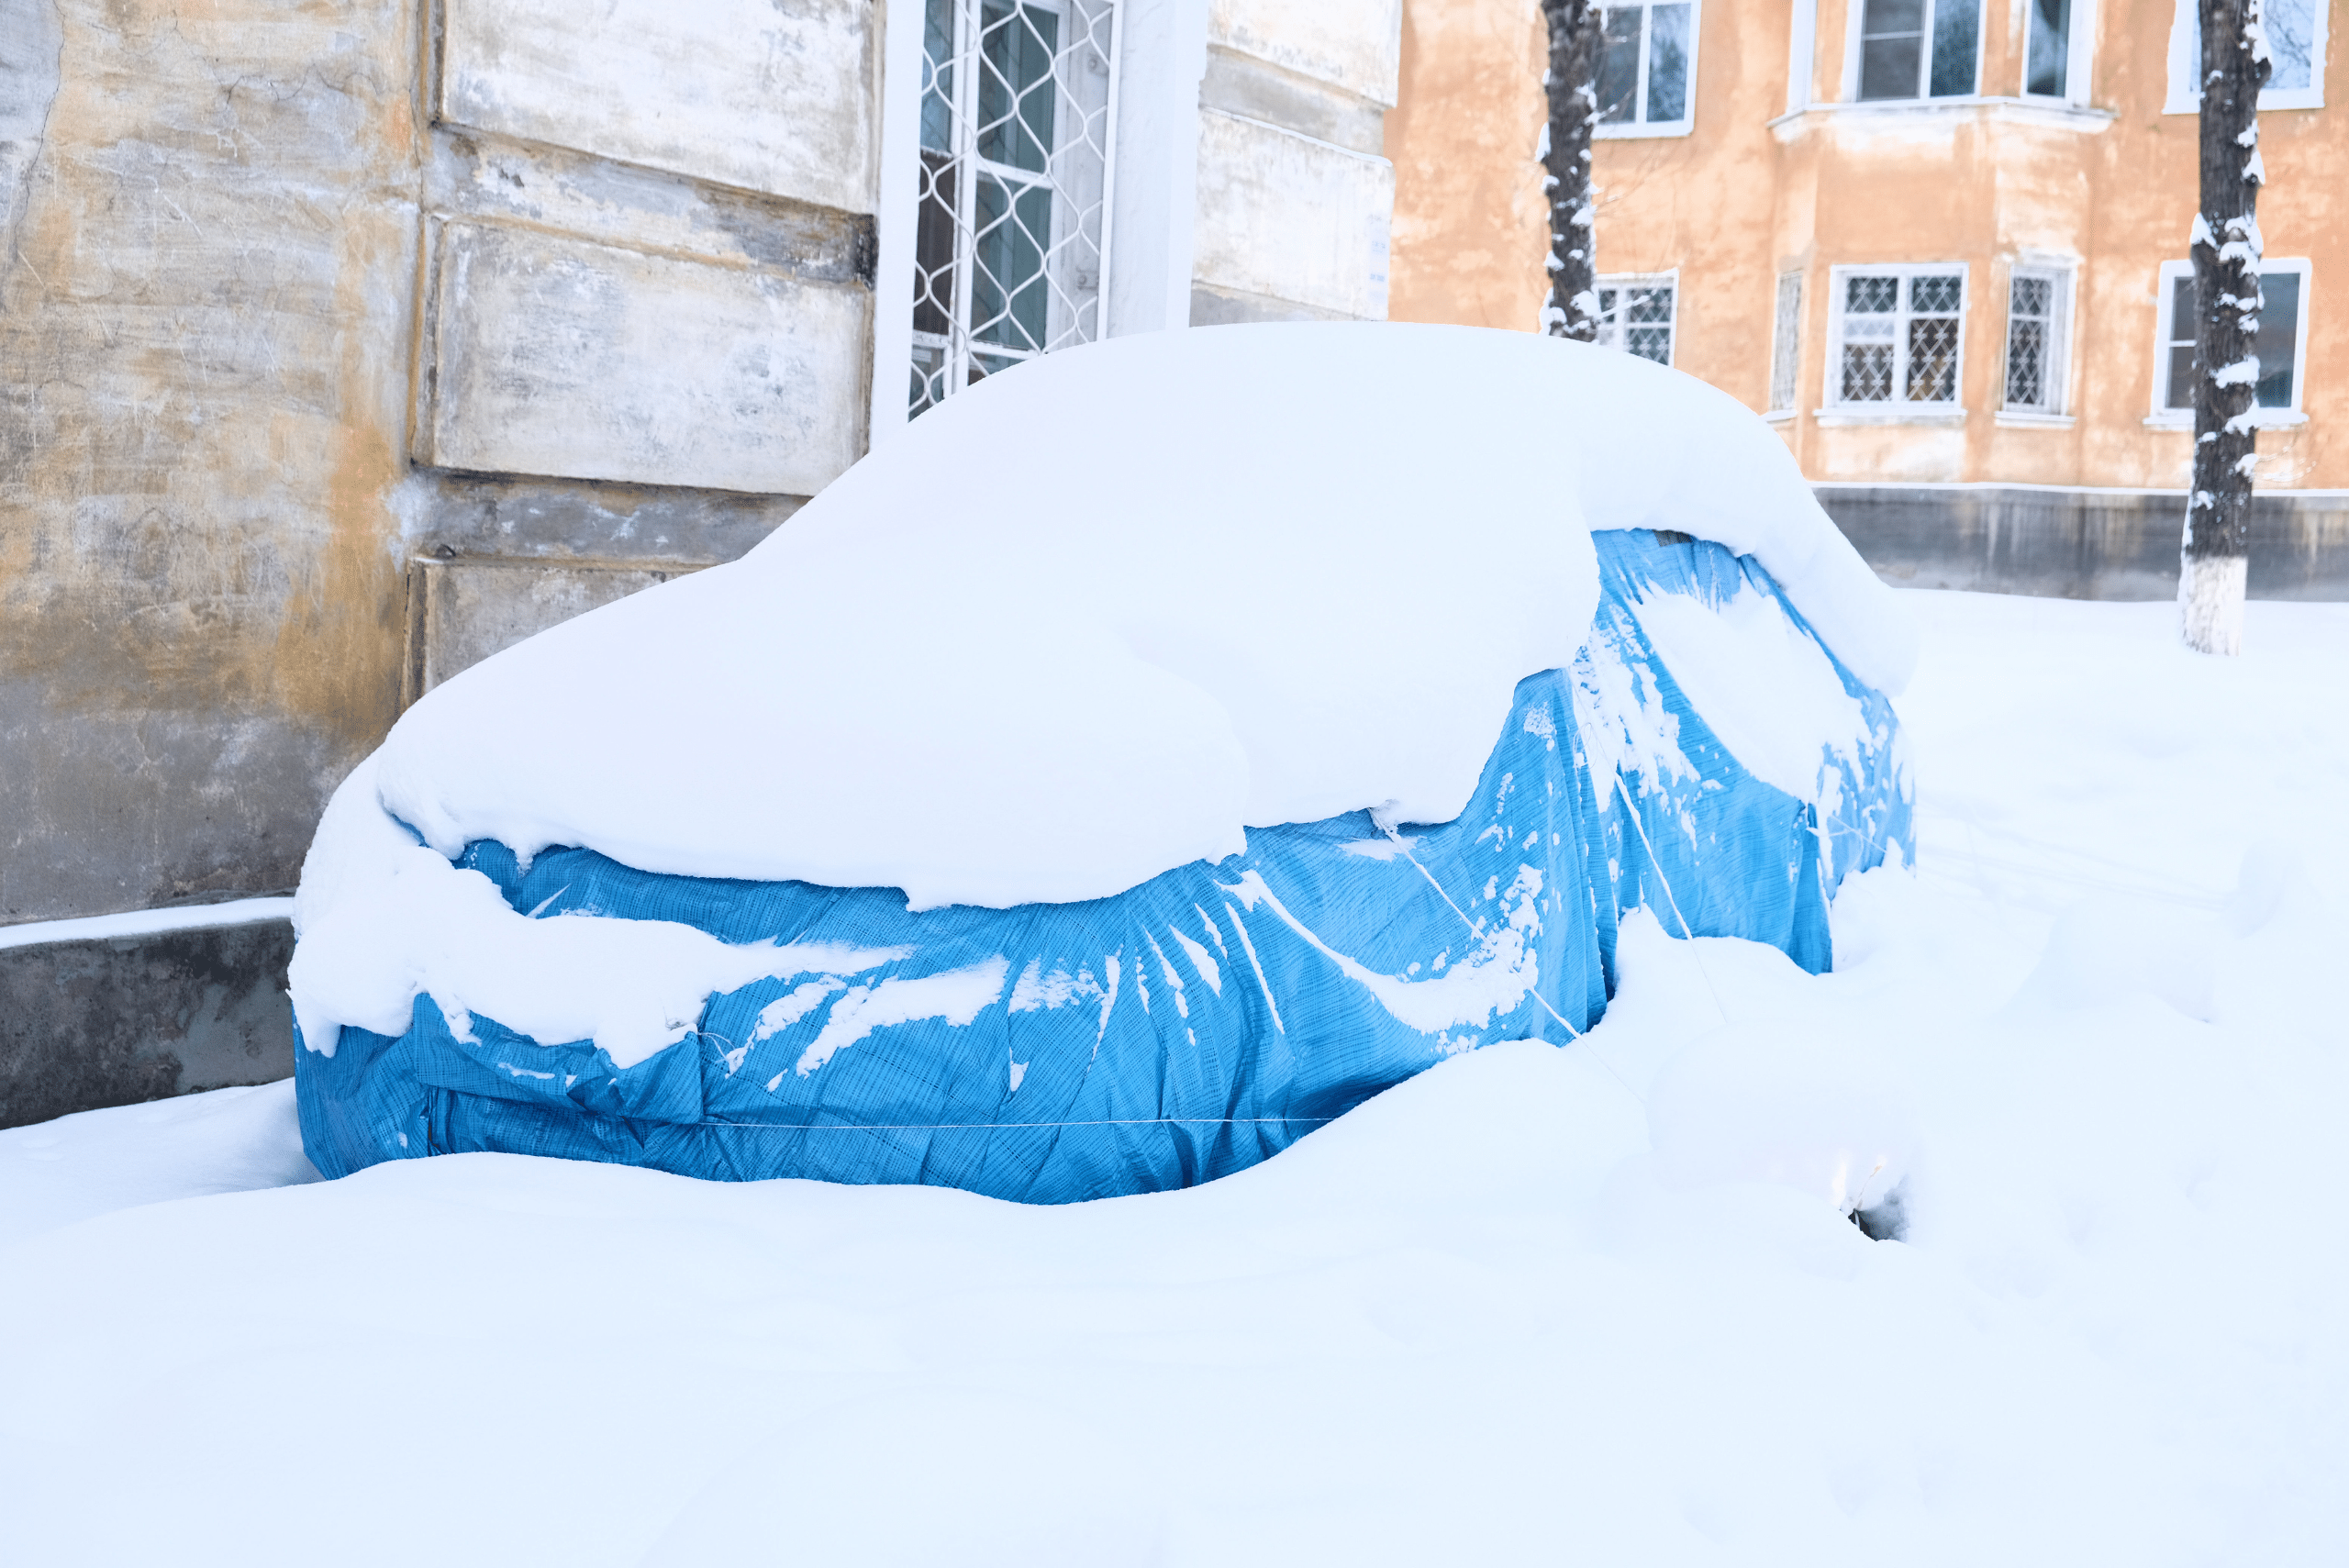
{"x":555,"y":356}
{"x":462,"y":610}
{"x":774,"y":95}
{"x":1354,"y":44}
{"x":1287,"y":218}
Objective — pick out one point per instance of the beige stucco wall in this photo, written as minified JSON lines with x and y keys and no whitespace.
{"x":1729,"y":206}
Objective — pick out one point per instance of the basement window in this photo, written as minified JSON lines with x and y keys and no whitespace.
{"x":1647,"y":70}
{"x":1899,"y":335}
{"x":1637,"y":314}
{"x":2281,"y":342}
{"x":1919,"y":48}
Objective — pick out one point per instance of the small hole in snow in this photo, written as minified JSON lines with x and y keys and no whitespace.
{"x":1886,"y":1220}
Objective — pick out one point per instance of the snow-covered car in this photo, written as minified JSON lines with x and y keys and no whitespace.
{"x":1135,"y":764}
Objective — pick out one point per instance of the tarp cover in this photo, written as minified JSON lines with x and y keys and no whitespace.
{"x":1205,"y":1019}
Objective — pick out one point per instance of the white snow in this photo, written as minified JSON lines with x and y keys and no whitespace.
{"x":1592,"y":1304}
{"x":147,"y":922}
{"x":1766,"y":688}
{"x":1080,"y":626}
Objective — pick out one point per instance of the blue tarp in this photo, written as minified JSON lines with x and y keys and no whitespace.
{"x":1184,"y":1028}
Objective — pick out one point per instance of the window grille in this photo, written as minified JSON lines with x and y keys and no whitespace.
{"x":2277,"y":342}
{"x":2035,"y":342}
{"x":1897,"y":336}
{"x":1011,"y":243}
{"x":1644,"y":60}
{"x":1785,"y":341}
{"x":1919,"y":48}
{"x":1636,"y":315}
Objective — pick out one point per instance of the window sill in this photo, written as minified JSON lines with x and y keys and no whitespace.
{"x":2268,"y":419}
{"x":2270,"y":102}
{"x":1892,"y":414}
{"x":1778,"y":416}
{"x":1620,"y":132}
{"x":2050,"y":112}
{"x":2023,"y":419}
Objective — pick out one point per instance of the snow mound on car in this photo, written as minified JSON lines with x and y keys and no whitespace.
{"x":1086,"y":622}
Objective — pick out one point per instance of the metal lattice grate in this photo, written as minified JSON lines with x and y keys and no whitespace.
{"x":2030,"y":342}
{"x":1012,"y":240}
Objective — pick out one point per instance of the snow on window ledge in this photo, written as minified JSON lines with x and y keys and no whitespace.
{"x":1630,"y":132}
{"x":2262,"y":419}
{"x":2054,"y":112}
{"x":1779,"y":416}
{"x":1888,"y":413}
{"x":2024,"y":419}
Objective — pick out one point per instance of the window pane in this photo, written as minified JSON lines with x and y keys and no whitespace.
{"x":1016,"y":88}
{"x":2026,"y":363}
{"x":1941,"y":293}
{"x":1619,"y":64}
{"x":1649,"y":305}
{"x":1668,"y":63}
{"x":1932,"y":360}
{"x":1786,"y":341}
{"x":2031,"y":296}
{"x":938,"y":75}
{"x":934,"y":245}
{"x":1007,"y":289}
{"x":2051,"y":47}
{"x":1870,"y":295}
{"x":2280,"y":335}
{"x":1885,"y":16}
{"x":2179,"y":390}
{"x":1888,"y":67}
{"x":1650,"y":343}
{"x":1868,"y":372}
{"x":1957,"y":30}
{"x":2291,"y":40}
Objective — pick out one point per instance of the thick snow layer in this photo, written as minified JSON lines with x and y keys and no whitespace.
{"x":1595,"y":1303}
{"x":1083,"y":624}
{"x":1086,"y":622}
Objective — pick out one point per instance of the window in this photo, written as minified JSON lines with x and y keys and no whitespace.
{"x":2036,"y":350}
{"x":1897,"y":332}
{"x":2296,"y":39}
{"x":1009,"y":248}
{"x":1635,"y":314}
{"x":2047,"y":56}
{"x":1785,"y":342}
{"x":1647,"y":70}
{"x":1919,"y":48}
{"x":2280,"y":344}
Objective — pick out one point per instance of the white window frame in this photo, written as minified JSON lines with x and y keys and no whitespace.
{"x":2056,"y":376}
{"x":2079,"y":56}
{"x":2185,"y":65}
{"x":1786,"y":347}
{"x":1897,"y":406}
{"x":1852,"y":40}
{"x":1617,"y":130}
{"x":1622,"y":281}
{"x":2165,"y":418}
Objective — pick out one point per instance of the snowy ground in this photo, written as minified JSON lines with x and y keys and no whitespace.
{"x":1594,"y":1305}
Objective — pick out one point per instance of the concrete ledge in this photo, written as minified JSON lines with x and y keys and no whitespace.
{"x":112,"y":1020}
{"x":2067,"y":543}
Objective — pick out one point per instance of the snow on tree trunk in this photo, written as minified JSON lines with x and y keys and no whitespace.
{"x":2226,"y":251}
{"x":1572,"y":83}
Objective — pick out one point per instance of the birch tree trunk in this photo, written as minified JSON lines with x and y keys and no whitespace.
{"x":2226,"y":251}
{"x":1571,"y":83}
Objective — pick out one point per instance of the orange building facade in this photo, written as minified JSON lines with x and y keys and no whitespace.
{"x":1940,"y":244}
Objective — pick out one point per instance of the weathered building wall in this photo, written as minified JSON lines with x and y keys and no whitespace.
{"x":2107,"y":188}
{"x":1296,"y":194}
{"x":290,"y":301}
{"x":204,"y":303}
